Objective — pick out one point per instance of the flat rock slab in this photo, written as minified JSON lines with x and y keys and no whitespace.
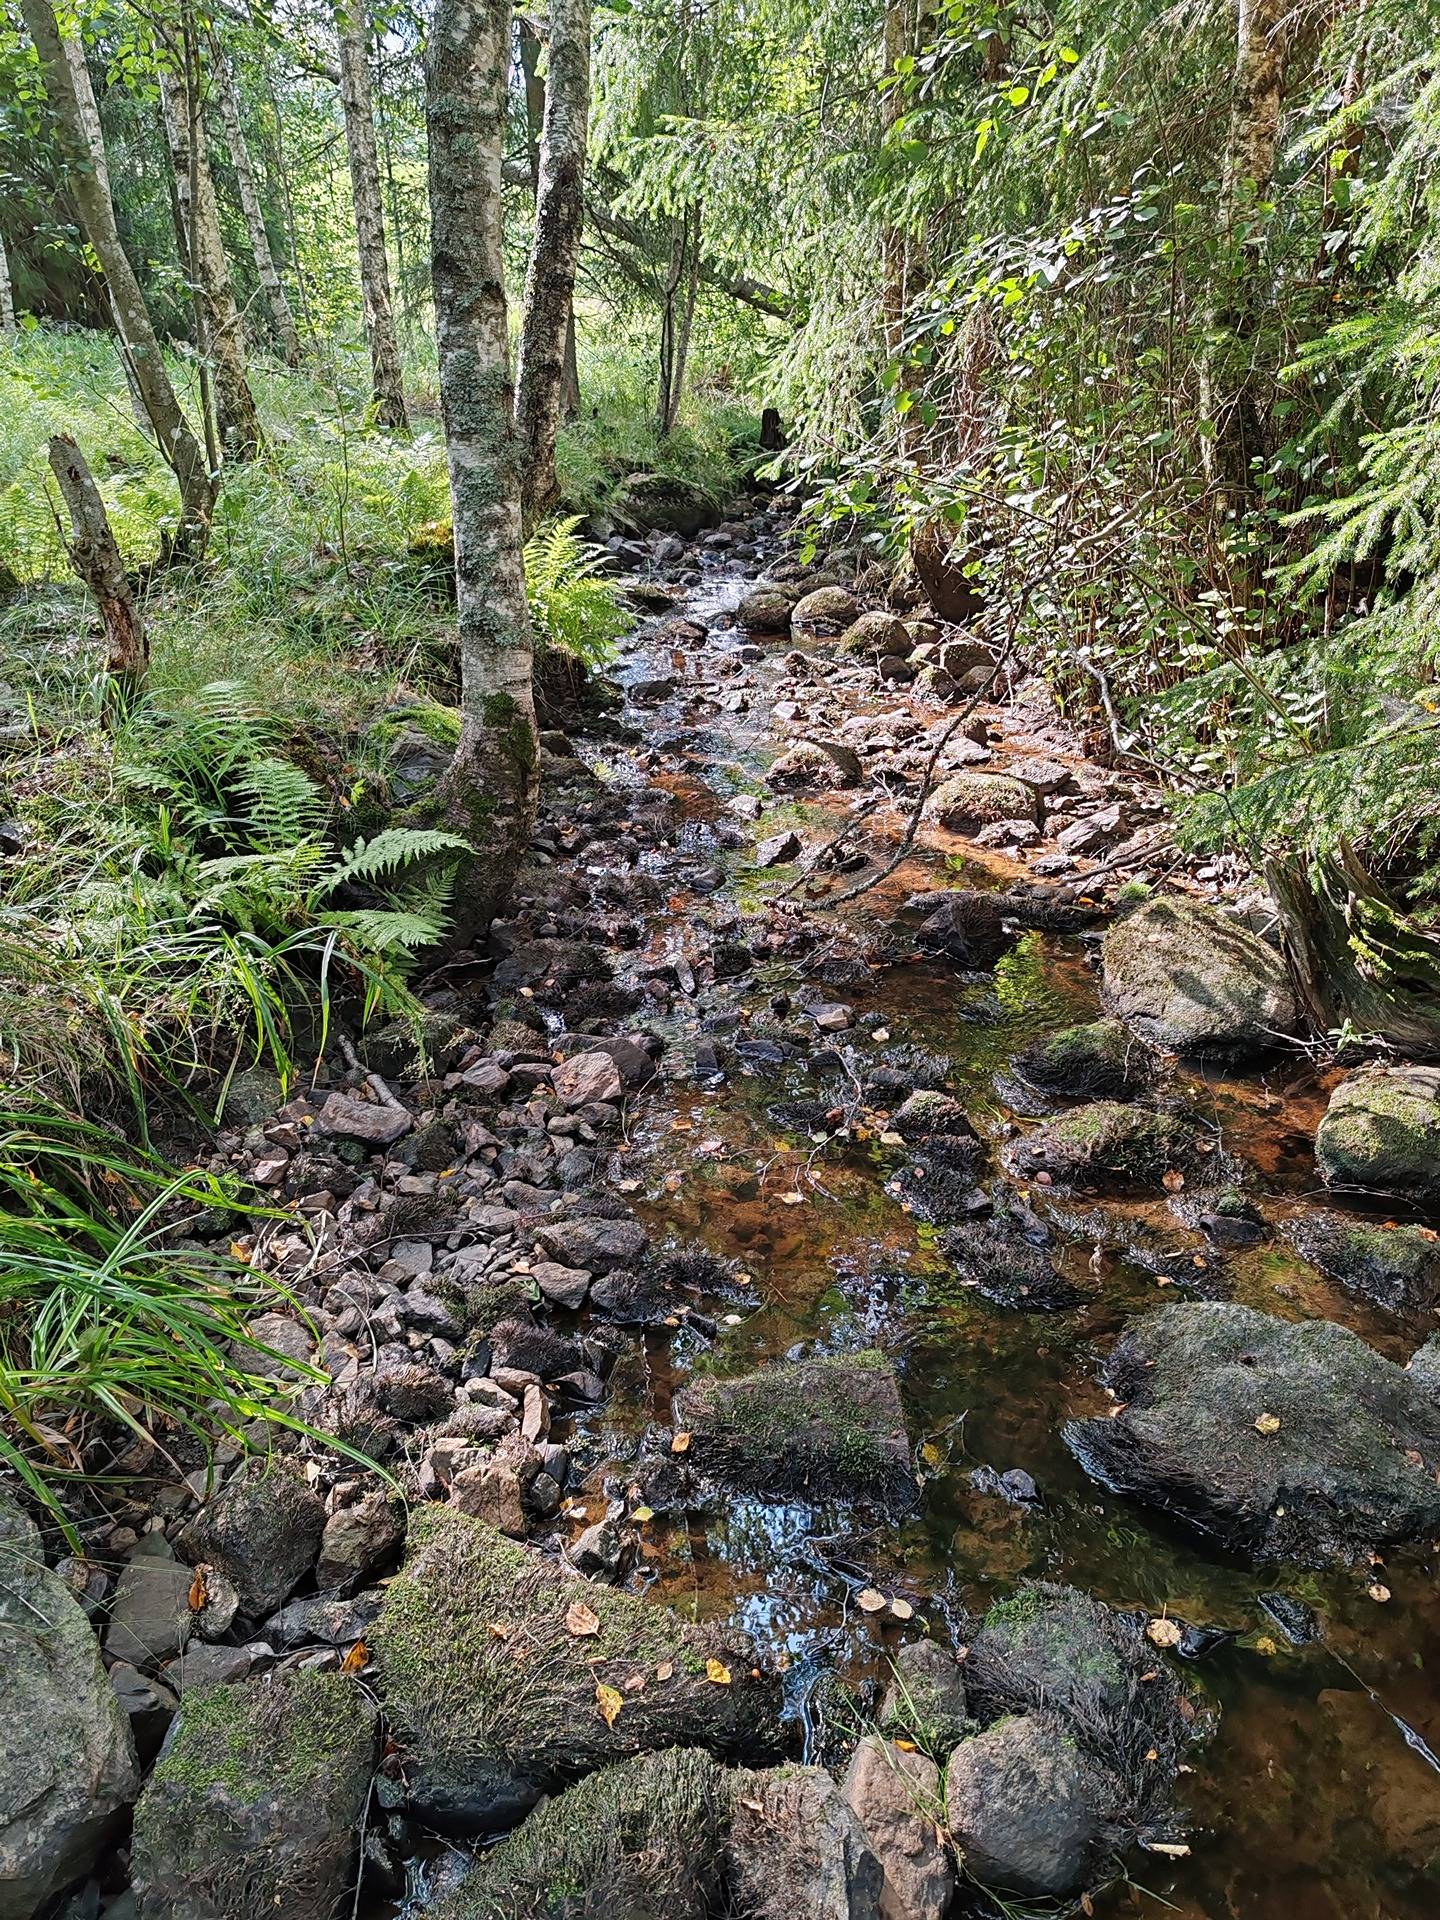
{"x":1281,"y":1439}
{"x":367,"y":1120}
{"x":823,"y":1429}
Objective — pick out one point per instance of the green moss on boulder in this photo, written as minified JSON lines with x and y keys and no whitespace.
{"x":493,"y":1698}
{"x":255,"y":1807}
{"x":1397,"y":1267}
{"x":641,"y":1839}
{"x":825,"y":1429}
{"x":1100,"y":1060}
{"x":1381,"y":1132}
{"x":976,"y":799}
{"x":1110,"y":1145}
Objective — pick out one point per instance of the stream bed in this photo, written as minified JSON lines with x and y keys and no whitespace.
{"x":1319,"y":1794}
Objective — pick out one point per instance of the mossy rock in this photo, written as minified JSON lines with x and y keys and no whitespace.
{"x":823,"y":1429}
{"x":825,"y":610}
{"x":976,"y":799}
{"x":262,"y":1529}
{"x":1396,"y":1267}
{"x":1196,"y":980}
{"x":1100,"y":1060}
{"x":641,"y":1839}
{"x":764,"y":610}
{"x":1010,"y":1259}
{"x":255,"y":1806}
{"x":926,"y":1699}
{"x":1111,"y":1146}
{"x":1026,"y":1809}
{"x":664,"y":503}
{"x":1280,"y":1440}
{"x":1381,"y":1132}
{"x":494,"y":1700}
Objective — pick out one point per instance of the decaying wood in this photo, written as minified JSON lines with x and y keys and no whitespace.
{"x":95,"y":556}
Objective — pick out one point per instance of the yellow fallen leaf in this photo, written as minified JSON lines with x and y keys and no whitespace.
{"x":870,"y":1600}
{"x":680,"y":1442}
{"x":357,"y":1658}
{"x":907,"y":1746}
{"x":665,"y":1669}
{"x":642,"y":1513}
{"x":609,"y":1701}
{"x":1162,"y":1633}
{"x":1267,"y":1423}
{"x":581,"y":1620}
{"x":718,"y":1672}
{"x":902,"y":1609}
{"x":1266,"y":1645}
{"x":792,"y":1199}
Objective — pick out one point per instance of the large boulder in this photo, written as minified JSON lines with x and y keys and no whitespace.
{"x":1395,"y":1267}
{"x":1025,"y":1808}
{"x":825,"y":1429}
{"x":826,"y":610}
{"x":1196,"y":980}
{"x":897,"y":1797}
{"x":664,"y":503}
{"x":492,"y":1662}
{"x":796,"y":1849}
{"x":1279,"y":1438}
{"x":254,"y":1809}
{"x":67,"y":1763}
{"x":640,"y":1838}
{"x":1381,"y":1131}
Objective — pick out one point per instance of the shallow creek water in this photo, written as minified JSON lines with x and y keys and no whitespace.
{"x":1319,"y":1794}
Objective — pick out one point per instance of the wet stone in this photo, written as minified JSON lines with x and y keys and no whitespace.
{"x":823,"y":1429}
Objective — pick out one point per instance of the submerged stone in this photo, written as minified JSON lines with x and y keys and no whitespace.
{"x":825,"y":1429}
{"x":1010,"y":1259}
{"x":490,"y":1664}
{"x":1280,"y":1439}
{"x":1197,"y":980}
{"x":1396,"y":1267}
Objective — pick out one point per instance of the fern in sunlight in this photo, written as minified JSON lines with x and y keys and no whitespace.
{"x":572,"y":606}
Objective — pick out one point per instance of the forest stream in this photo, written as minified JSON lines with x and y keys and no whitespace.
{"x":1318,"y":1793}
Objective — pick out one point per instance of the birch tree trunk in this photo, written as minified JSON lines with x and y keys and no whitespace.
{"x":266,"y":270}
{"x":96,"y":559}
{"x":7,"y":296}
{"x":204,"y":249}
{"x":554,"y":254}
{"x":67,"y":85}
{"x":388,"y":391}
{"x":490,"y":788}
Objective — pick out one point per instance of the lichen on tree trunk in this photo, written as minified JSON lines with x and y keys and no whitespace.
{"x":96,"y":558}
{"x":489,"y":792}
{"x":67,"y":87}
{"x":203,"y":249}
{"x":388,"y":391}
{"x":266,"y":270}
{"x":554,"y":254}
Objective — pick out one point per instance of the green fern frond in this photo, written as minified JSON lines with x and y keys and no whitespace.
{"x":387,"y":853}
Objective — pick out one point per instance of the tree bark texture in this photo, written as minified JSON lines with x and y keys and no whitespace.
{"x":96,"y":559}
{"x":554,"y":254}
{"x":388,"y":390}
{"x":7,"y":296}
{"x":266,"y":270}
{"x":62,"y":65}
{"x":203,"y":250}
{"x":490,"y":788}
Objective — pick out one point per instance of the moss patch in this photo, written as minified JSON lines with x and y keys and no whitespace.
{"x":828,"y":1428}
{"x":639,"y":1839}
{"x":485,"y":1682}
